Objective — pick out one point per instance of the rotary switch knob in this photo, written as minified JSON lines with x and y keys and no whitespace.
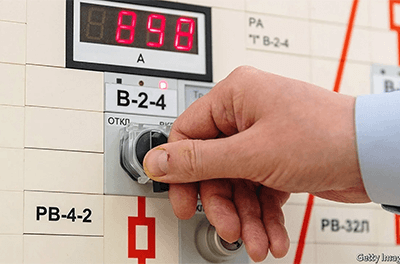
{"x":136,"y":141}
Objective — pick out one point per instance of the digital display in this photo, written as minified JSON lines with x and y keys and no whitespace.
{"x":141,"y":37}
{"x":138,"y":28}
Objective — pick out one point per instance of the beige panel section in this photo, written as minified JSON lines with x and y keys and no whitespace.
{"x":39,"y":218}
{"x":289,"y":8}
{"x":294,"y":215}
{"x":62,"y":88}
{"x":117,"y":211}
{"x":345,"y":225}
{"x":278,"y":34}
{"x":46,"y":32}
{"x":13,"y":42}
{"x":226,"y":4}
{"x":323,"y":72}
{"x":11,"y":169}
{"x":13,"y":10}
{"x":384,"y":47}
{"x":296,"y":67}
{"x":12,"y":85}
{"x":11,"y":206}
{"x":63,"y":129}
{"x":11,"y":249}
{"x":379,"y":13}
{"x":319,"y":201}
{"x":338,"y":254}
{"x":389,"y":254}
{"x":229,"y":43}
{"x":308,"y":256}
{"x":62,"y":249}
{"x":65,"y":171}
{"x":386,"y":228}
{"x":359,"y":49}
{"x":12,"y":127}
{"x":338,"y":11}
{"x":356,"y":79}
{"x":298,"y":198}
{"x":327,"y":41}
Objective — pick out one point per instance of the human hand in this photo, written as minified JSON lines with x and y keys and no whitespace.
{"x":250,"y":142}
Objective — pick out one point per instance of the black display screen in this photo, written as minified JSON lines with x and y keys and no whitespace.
{"x":137,"y":28}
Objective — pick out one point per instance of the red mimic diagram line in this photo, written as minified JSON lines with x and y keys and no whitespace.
{"x":395,"y":27}
{"x":142,"y":220}
{"x":310,"y":203}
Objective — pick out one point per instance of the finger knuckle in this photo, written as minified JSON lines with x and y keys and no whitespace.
{"x":192,"y":158}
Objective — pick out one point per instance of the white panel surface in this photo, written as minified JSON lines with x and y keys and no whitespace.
{"x":384,"y":47}
{"x":13,"y":42}
{"x":46,"y":32}
{"x":291,"y":66}
{"x":63,"y":129}
{"x":387,"y":228}
{"x":379,"y":13}
{"x":65,"y":171}
{"x":229,"y":45}
{"x":11,"y":206}
{"x":225,"y":4}
{"x":13,"y":10}
{"x":11,"y":249}
{"x":62,"y":249}
{"x":288,"y":8}
{"x":12,"y":85}
{"x":355,"y":79}
{"x":12,"y":127}
{"x":308,"y":256}
{"x":11,"y":169}
{"x":294,"y":215}
{"x":335,"y":254}
{"x":338,"y":11}
{"x":327,"y":41}
{"x":64,"y":88}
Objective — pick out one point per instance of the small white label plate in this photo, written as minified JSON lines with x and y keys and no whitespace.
{"x":141,"y":100}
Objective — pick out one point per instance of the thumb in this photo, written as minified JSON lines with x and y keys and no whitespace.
{"x":194,"y":160}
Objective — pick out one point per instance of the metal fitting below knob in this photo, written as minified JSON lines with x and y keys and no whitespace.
{"x":212,"y":247}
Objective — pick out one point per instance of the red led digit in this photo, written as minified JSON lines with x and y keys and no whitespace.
{"x":159,"y":30}
{"x":180,"y":33}
{"x":130,"y":28}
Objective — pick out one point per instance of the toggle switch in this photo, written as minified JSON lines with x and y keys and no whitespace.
{"x":136,"y":141}
{"x":212,"y":247}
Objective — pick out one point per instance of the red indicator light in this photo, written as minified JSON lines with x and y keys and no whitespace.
{"x":163,"y":85}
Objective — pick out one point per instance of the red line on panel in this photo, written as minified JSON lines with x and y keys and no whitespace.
{"x":310,"y":203}
{"x":345,"y":47}
{"x":397,"y":228}
{"x":393,"y":26}
{"x":304,"y":228}
{"x":396,"y":28}
{"x":142,"y":220}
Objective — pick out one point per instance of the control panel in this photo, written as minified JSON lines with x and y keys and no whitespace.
{"x":82,"y":79}
{"x":140,"y":111}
